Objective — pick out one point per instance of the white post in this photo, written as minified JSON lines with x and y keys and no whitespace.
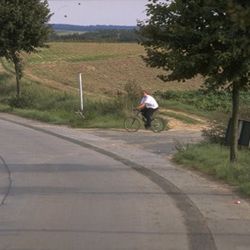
{"x":81,"y":91}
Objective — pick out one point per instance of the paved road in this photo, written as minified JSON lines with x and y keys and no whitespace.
{"x":64,"y":188}
{"x":163,"y":144}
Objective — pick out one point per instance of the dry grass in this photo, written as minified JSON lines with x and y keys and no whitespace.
{"x":106,"y":68}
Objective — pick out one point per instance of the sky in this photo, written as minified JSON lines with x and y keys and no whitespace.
{"x":94,"y":12}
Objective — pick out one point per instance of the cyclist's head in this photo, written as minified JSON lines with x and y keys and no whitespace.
{"x":144,"y":92}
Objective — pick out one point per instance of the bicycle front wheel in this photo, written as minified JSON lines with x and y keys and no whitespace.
{"x":157,"y":125}
{"x":132,"y":124}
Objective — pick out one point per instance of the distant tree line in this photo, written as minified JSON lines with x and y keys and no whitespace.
{"x":112,"y":35}
{"x":80,"y":28}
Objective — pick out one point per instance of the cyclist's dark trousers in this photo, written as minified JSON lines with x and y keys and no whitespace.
{"x":148,"y":113}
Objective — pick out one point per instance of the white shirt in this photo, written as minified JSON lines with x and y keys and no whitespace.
{"x":149,"y":102}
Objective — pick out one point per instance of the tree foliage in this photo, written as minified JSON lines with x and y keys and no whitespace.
{"x":240,"y":13}
{"x":24,"y":28}
{"x":207,"y":37}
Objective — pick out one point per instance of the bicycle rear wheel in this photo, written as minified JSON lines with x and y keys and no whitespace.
{"x":132,"y":124}
{"x":157,"y":125}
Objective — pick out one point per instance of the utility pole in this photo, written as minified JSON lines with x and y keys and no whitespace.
{"x":81,"y":92}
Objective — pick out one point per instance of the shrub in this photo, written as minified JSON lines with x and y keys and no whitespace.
{"x":24,"y":101}
{"x":6,"y":88}
{"x":133,"y":91}
{"x":205,"y":101}
{"x":215,"y":133}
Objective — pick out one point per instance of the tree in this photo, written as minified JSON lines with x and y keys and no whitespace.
{"x":190,"y":37}
{"x":24,"y":28}
{"x":239,"y":13}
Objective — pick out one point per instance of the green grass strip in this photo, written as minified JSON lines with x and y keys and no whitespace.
{"x":213,"y":159}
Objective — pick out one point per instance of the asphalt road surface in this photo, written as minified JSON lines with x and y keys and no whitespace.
{"x":63,"y":188}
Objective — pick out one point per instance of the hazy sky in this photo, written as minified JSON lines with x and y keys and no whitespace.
{"x":92,"y":12}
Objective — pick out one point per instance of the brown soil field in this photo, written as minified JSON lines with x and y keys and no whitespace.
{"x":105,"y":68}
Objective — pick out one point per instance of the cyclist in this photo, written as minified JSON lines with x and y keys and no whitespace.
{"x":148,"y":105}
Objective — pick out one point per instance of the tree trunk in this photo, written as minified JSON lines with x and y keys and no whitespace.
{"x":17,"y":71}
{"x":235,"y":118}
{"x":17,"y":60}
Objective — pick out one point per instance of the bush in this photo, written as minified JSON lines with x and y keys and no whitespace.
{"x":215,"y":133}
{"x":5,"y":86}
{"x":133,"y":92}
{"x":206,"y":101}
{"x":24,"y":101}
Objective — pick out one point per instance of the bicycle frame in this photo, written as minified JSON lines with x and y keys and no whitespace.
{"x":133,"y":123}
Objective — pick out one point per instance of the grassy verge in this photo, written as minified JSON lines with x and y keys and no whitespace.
{"x":213,"y":159}
{"x":213,"y":105}
{"x":57,"y":107}
{"x":70,"y":117}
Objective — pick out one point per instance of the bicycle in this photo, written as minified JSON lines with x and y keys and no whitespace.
{"x":134,"y":122}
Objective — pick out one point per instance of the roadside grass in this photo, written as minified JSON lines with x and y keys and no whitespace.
{"x":57,"y":107}
{"x":5,"y":108}
{"x":213,"y":105}
{"x":213,"y":159}
{"x":179,"y":106}
{"x":53,"y":117}
{"x":104,"y":121}
{"x":70,"y":116}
